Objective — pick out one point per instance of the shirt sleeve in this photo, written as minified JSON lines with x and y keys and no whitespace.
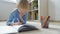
{"x":10,"y":19}
{"x":24,"y":18}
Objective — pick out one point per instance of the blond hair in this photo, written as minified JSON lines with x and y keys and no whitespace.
{"x":23,"y":4}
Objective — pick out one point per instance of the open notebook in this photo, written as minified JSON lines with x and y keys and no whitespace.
{"x":9,"y":29}
{"x":15,"y":29}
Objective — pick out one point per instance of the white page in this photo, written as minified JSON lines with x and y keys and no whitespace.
{"x":16,"y":27}
{"x":9,"y":29}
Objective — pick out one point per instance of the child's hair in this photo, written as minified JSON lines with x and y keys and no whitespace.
{"x":23,"y":4}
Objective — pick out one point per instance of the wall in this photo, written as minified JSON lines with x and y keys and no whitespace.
{"x":5,"y":9}
{"x":43,"y":7}
{"x":54,"y":9}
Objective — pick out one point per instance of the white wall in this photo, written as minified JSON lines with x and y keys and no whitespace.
{"x":5,"y":9}
{"x":43,"y":8}
{"x":54,"y":9}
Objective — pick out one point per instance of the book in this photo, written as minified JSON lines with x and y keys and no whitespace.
{"x":9,"y":29}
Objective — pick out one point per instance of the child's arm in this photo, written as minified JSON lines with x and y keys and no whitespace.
{"x":10,"y":19}
{"x":24,"y":19}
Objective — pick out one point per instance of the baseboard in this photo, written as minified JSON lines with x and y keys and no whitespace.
{"x":54,"y":20}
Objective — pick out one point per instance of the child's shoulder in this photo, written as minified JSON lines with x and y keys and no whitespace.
{"x":14,"y":11}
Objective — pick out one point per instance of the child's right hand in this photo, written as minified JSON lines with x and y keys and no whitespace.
{"x":17,"y":23}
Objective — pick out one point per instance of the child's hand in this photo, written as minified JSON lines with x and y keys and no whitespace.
{"x":17,"y":23}
{"x":20,"y":23}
